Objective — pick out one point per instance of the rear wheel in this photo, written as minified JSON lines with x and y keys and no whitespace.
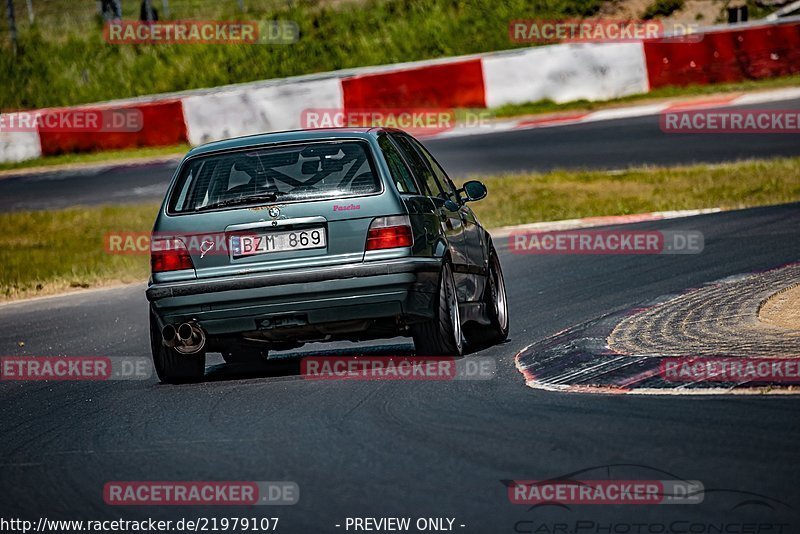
{"x":441,"y":336}
{"x":496,"y":307}
{"x":172,"y":367}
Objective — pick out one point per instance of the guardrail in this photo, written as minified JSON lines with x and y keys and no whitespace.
{"x":560,"y":72}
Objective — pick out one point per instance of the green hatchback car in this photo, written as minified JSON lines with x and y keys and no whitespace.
{"x":270,"y":241}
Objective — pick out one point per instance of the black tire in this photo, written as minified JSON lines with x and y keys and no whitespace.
{"x":496,"y":306}
{"x":172,"y":367}
{"x":441,"y":336}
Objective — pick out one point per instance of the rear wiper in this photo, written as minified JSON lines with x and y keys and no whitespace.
{"x":252,"y":199}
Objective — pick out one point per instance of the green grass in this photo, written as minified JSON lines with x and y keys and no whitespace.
{"x":524,"y":198}
{"x":48,"y":252}
{"x":756,"y":10}
{"x":662,"y":8}
{"x":548,"y":106}
{"x":64,"y":63}
{"x":62,"y":58}
{"x":97,"y":157}
{"x":44,"y":252}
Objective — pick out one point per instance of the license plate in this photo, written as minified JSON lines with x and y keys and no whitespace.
{"x":252,"y":244}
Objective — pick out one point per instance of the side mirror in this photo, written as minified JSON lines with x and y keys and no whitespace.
{"x":474,"y":190}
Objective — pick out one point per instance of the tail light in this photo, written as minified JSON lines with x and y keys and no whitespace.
{"x":389,"y":232}
{"x":169,"y":255}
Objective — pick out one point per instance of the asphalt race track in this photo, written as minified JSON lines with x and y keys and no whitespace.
{"x":411,"y":449}
{"x":612,"y":144}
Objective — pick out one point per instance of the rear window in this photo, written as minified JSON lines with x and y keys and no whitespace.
{"x":311,"y":171}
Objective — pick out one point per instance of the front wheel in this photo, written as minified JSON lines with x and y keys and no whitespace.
{"x":496,"y":306}
{"x":171,"y":366}
{"x":441,"y":336}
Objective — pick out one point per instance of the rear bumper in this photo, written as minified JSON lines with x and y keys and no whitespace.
{"x":370,"y":290}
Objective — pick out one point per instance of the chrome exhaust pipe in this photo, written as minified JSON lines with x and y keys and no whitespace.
{"x":185,"y":333}
{"x":191,"y":338}
{"x":169,"y":336}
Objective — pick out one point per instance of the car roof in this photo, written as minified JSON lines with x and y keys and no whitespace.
{"x":288,"y":136}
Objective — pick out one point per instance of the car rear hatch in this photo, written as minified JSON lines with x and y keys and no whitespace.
{"x":298,"y":235}
{"x":300,"y":206}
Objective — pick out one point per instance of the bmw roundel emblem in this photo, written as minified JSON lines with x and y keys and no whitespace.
{"x":274,"y":212}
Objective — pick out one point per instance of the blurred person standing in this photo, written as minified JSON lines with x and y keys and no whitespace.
{"x":111,"y":9}
{"x":147,"y":13}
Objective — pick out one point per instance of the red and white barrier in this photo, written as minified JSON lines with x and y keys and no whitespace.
{"x":562,"y":73}
{"x":18,"y":146}
{"x":458,"y":84}
{"x":250,"y":110}
{"x":162,"y":124}
{"x":729,"y":55}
